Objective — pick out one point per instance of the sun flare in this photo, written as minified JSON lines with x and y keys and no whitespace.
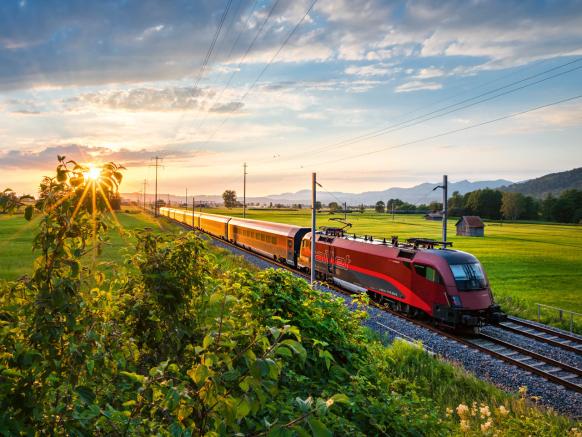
{"x":92,"y":174}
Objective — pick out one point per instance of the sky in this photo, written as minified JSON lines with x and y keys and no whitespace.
{"x":370,"y":94}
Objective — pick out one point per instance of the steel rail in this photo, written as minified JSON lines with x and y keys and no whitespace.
{"x":576,"y":347}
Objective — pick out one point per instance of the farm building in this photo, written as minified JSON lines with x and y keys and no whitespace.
{"x":470,"y":226}
{"x":437,"y":216}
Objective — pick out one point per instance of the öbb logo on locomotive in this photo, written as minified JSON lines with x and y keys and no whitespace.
{"x":416,"y":277}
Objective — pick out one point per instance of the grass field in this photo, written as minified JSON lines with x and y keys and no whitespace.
{"x":16,"y":235}
{"x":526,"y":263}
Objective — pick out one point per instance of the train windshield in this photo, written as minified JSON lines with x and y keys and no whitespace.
{"x":469,"y":276}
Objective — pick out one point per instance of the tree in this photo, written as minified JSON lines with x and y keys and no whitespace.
{"x":547,"y":207}
{"x":10,"y":201}
{"x":362,"y":209}
{"x":485,"y":203}
{"x":512,"y":205}
{"x":380,"y":207}
{"x":229,"y":197}
{"x":394,"y":204}
{"x":333,"y":206}
{"x":318,"y":205}
{"x":568,"y":207}
{"x":456,"y":204}
{"x":435,"y":206}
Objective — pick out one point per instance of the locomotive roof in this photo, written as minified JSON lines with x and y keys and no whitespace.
{"x":271,"y":227}
{"x":450,"y":256}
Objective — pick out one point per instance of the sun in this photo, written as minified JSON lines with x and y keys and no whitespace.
{"x":93,"y":173}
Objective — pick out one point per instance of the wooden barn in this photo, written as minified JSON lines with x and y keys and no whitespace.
{"x":470,"y":226}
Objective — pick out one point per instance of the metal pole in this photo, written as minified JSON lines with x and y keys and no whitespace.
{"x":313,"y":221}
{"x":245,"y":190}
{"x":193,"y":211}
{"x":345,"y":210}
{"x":445,"y":208}
{"x":186,"y":198}
{"x":144,"y":193}
{"x":156,"y":197}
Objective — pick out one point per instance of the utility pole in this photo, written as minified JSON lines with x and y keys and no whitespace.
{"x":193,"y":211}
{"x":445,"y":187}
{"x":168,"y":199}
{"x":186,"y":198}
{"x":345,"y":211}
{"x":156,"y":165}
{"x":145,"y":182}
{"x":313,"y":222}
{"x":245,"y":190}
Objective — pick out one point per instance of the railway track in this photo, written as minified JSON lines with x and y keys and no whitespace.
{"x":562,"y":374}
{"x":543,"y":334}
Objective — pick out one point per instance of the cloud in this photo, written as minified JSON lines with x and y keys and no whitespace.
{"x":224,"y":108}
{"x":379,"y":69}
{"x":46,"y":158}
{"x":417,"y":85}
{"x":429,"y":73}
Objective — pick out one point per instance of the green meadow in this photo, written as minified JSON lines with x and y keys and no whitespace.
{"x":16,"y":236}
{"x":527,"y":263}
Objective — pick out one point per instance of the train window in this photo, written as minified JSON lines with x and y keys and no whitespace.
{"x":428,"y":273}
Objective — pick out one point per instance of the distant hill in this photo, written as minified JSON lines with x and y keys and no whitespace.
{"x":553,"y":183}
{"x":422,"y":193}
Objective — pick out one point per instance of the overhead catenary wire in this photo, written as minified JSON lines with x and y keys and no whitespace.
{"x":213,"y":43}
{"x":450,"y":132}
{"x":248,"y":91}
{"x":435,"y":114}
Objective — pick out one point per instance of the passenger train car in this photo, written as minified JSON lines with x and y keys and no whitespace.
{"x":447,"y":285}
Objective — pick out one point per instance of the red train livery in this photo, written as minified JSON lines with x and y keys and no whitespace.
{"x":447,"y":285}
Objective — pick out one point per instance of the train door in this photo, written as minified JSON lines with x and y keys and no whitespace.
{"x":427,"y":282}
{"x":331,"y":260}
{"x":290,"y":251}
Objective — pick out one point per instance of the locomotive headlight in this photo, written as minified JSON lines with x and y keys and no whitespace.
{"x":456,"y":301}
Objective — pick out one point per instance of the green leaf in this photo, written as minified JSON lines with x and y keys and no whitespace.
{"x":340,"y":398}
{"x":28,"y":212}
{"x":284,"y":351}
{"x":199,"y":373}
{"x":86,"y":394}
{"x":318,"y":428}
{"x":208,"y":340}
{"x":296,"y":347}
{"x":134,"y":377}
{"x":90,"y":366}
{"x":243,"y":408}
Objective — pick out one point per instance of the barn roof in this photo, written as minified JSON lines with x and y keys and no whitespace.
{"x":473,"y":221}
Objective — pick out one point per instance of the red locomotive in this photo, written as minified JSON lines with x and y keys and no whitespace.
{"x":447,"y":285}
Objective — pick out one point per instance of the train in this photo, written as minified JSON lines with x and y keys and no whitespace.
{"x":419,"y":277}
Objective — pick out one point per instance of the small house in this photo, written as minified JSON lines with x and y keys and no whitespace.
{"x":436,"y":216}
{"x":470,"y":226}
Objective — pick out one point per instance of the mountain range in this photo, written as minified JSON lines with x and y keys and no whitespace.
{"x":553,"y":183}
{"x":418,"y":194}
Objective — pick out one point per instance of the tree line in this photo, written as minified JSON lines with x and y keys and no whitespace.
{"x":496,"y":205}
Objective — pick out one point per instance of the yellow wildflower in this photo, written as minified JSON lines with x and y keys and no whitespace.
{"x":474,"y":409}
{"x":484,"y":410}
{"x":503,"y":411}
{"x":465,"y":425}
{"x":485,"y":426}
{"x":449,"y":411}
{"x":462,"y":410}
{"x":522,"y":391}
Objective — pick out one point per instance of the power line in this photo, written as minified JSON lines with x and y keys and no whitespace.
{"x":429,"y":116}
{"x":432,"y":137}
{"x":213,"y":43}
{"x":244,"y":96}
{"x":219,"y":96}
